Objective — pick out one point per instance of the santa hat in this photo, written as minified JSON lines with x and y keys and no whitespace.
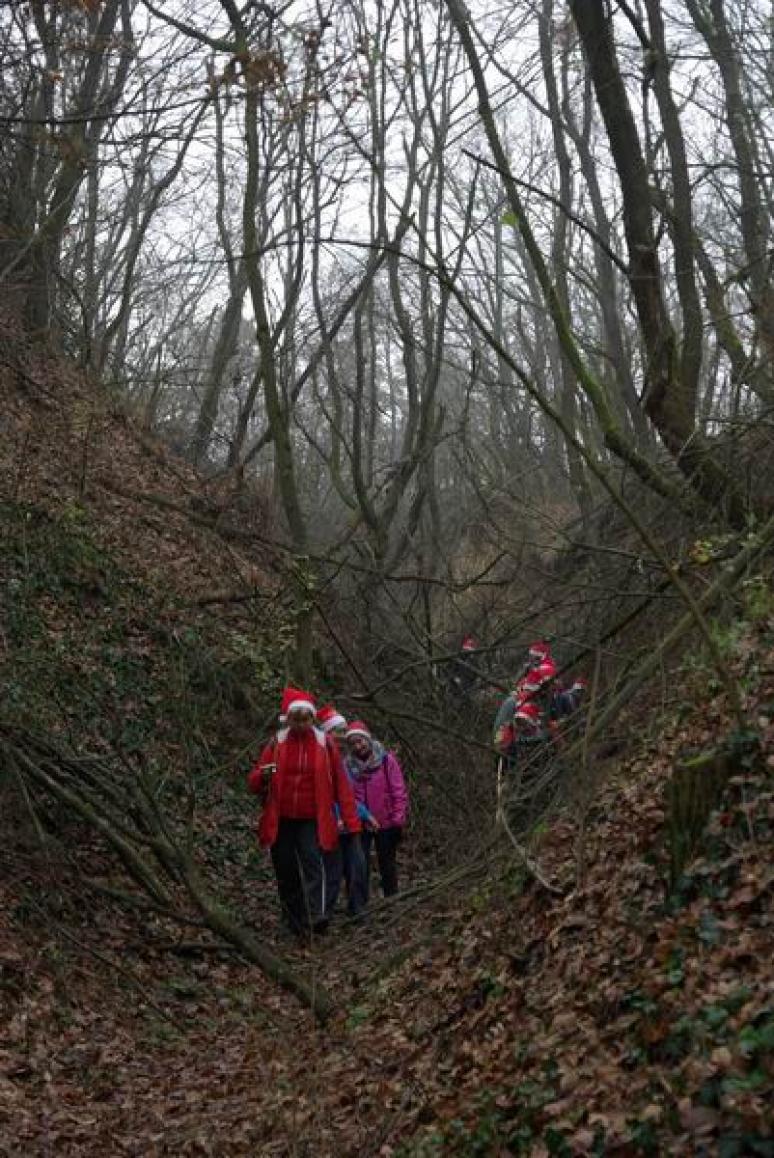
{"x":358,"y":728}
{"x":469,"y":643}
{"x":294,"y":700}
{"x":539,"y":650}
{"x":328,"y":718}
{"x":538,"y":676}
{"x":579,"y":685}
{"x":529,"y":711}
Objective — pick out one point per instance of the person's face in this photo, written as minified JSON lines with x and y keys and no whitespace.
{"x":360,"y":746}
{"x":339,"y":732}
{"x":300,"y":720}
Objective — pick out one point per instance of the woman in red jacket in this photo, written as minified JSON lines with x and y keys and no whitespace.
{"x":300,"y":777}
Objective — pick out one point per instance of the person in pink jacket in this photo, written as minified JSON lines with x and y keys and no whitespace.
{"x":377,"y":779}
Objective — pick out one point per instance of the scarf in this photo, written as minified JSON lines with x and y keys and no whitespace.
{"x":372,"y":763}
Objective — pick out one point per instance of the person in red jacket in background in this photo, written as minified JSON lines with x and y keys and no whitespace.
{"x":300,"y":777}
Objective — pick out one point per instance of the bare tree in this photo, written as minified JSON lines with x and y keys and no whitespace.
{"x":670,"y":397}
{"x":62,"y":116}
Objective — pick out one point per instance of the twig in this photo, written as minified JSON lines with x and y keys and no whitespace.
{"x":763,"y":543}
{"x":532,"y":867}
{"x":144,"y":904}
{"x":132,"y":978}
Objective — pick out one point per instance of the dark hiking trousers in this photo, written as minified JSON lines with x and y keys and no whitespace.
{"x":334,"y":875}
{"x":347,"y":863}
{"x":300,"y":872}
{"x":355,"y":872}
{"x":386,"y":841}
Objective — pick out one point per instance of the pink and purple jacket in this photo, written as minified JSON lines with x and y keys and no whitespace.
{"x":380,"y":787}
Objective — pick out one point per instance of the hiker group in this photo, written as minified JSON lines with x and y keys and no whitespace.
{"x":532,"y":713}
{"x":331,"y":794}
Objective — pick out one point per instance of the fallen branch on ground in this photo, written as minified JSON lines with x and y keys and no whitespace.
{"x":144,"y":831}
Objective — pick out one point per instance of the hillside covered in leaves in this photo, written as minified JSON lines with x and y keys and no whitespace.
{"x":610,"y":994}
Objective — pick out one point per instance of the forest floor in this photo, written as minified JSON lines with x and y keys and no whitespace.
{"x":624,"y":1013}
{"x":615,"y":1018}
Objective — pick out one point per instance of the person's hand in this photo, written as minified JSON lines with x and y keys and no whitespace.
{"x":372,"y":824}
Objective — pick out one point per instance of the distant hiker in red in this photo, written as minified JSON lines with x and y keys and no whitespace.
{"x":540,"y":669}
{"x":538,"y":652}
{"x":300,"y":777}
{"x":520,"y":724}
{"x":522,"y":717}
{"x":378,"y":781}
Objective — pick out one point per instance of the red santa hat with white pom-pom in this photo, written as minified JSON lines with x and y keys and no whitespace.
{"x":358,"y":728}
{"x":329,"y":719}
{"x":528,"y":712}
{"x":538,"y":677}
{"x":539,"y":650}
{"x":294,"y":700}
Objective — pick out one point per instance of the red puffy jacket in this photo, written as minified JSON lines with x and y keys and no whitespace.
{"x":308,"y":780}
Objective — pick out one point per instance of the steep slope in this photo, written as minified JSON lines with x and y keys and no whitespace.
{"x":109,"y":535}
{"x":66,"y":444}
{"x":616,"y":1018}
{"x":622,"y":1014}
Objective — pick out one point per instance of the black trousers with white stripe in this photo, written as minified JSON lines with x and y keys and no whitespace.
{"x":300,"y":872}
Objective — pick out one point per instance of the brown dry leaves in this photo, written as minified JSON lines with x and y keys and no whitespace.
{"x":602,"y":1018}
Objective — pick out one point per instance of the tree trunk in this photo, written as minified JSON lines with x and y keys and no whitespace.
{"x":670,"y":397}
